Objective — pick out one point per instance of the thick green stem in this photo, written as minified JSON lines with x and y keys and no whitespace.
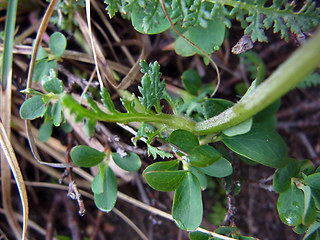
{"x":287,"y":76}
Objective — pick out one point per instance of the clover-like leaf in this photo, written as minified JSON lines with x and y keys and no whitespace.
{"x":203,"y":156}
{"x":209,"y":39}
{"x":33,"y":108}
{"x":219,"y":169}
{"x":313,"y":180}
{"x":131,"y":162}
{"x":261,"y":145}
{"x":57,"y":44}
{"x":164,"y":176}
{"x":187,"y":207}
{"x":191,"y":81}
{"x":184,"y":140}
{"x":106,"y":200}
{"x":290,"y":206}
{"x":45,"y":131}
{"x":85,"y":156}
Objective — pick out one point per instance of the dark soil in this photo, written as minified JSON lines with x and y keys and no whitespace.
{"x":254,"y":208}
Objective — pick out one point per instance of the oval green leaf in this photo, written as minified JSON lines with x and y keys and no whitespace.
{"x":131,"y":162}
{"x":33,"y":108}
{"x":313,"y":180}
{"x":208,"y":39}
{"x":106,"y":200}
{"x":85,"y":156}
{"x":261,"y":145}
{"x":282,"y":177}
{"x":45,"y":131}
{"x":238,"y":129}
{"x":164,"y":176}
{"x":56,"y":113}
{"x":57,"y":44}
{"x":191,"y":81}
{"x":184,"y":140}
{"x":221,"y":168}
{"x":290,"y":206}
{"x":187,"y":207}
{"x":203,"y":156}
{"x":202,"y":178}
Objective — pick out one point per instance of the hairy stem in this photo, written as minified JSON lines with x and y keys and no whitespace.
{"x":285,"y":78}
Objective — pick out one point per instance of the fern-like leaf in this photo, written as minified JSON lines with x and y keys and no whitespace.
{"x":152,"y":88}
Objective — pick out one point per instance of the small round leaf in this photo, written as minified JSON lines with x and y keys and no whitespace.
{"x":85,"y":156}
{"x":203,"y":156}
{"x":184,"y":140}
{"x":131,"y":162}
{"x":33,"y":108}
{"x":219,"y":169}
{"x":106,"y":200}
{"x":57,"y":44}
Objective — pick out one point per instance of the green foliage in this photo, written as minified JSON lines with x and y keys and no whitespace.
{"x":85,"y":156}
{"x":46,"y":61}
{"x":164,"y":176}
{"x":255,"y":16}
{"x":152,"y":89}
{"x":131,"y":162}
{"x":191,"y":81}
{"x":105,"y":197}
{"x":312,"y":80}
{"x":33,"y":108}
{"x":187,"y":207}
{"x":261,"y":145}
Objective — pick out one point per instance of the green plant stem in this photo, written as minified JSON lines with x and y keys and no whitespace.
{"x":172,"y":121}
{"x":302,"y":62}
{"x":285,"y":78}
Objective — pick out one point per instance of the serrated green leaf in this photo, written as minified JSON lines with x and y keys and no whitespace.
{"x":106,"y":200}
{"x":33,"y":108}
{"x":112,"y":7}
{"x":187,"y":207}
{"x":90,"y":127}
{"x":290,"y":206}
{"x":261,"y":145}
{"x":184,"y":140}
{"x":164,"y":176}
{"x":106,"y":100}
{"x":191,"y":81}
{"x":313,"y":180}
{"x":156,"y":151}
{"x":203,"y":156}
{"x":152,"y":88}
{"x":219,"y":169}
{"x":57,"y":44}
{"x":45,"y":131}
{"x":56,"y":112}
{"x":85,"y":156}
{"x":211,"y":38}
{"x":131,"y":162}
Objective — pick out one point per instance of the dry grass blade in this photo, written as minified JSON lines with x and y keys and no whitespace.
{"x":13,"y":163}
{"x":6,"y":83}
